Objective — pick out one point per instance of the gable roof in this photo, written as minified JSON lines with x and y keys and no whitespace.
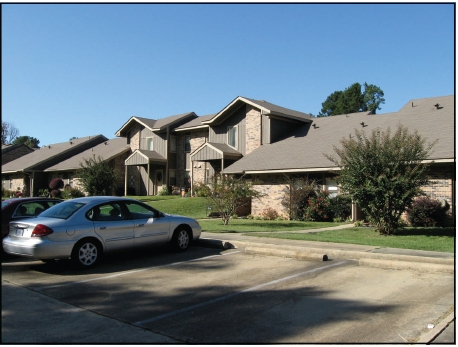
{"x":12,"y":152}
{"x":49,"y":155}
{"x":305,"y":150}
{"x":155,"y":125}
{"x":106,"y":150}
{"x":266,"y":108}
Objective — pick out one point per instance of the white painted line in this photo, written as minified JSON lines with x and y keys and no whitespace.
{"x":132,"y":272}
{"x":225,"y":297}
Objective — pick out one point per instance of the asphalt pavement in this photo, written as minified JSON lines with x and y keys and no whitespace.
{"x":442,"y":332}
{"x":381,"y":257}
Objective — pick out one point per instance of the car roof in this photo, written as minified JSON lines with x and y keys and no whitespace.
{"x":100,"y":199}
{"x":19,"y":200}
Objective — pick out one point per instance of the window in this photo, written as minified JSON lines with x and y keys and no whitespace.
{"x":172,"y":177}
{"x":173,"y":143}
{"x":107,"y":213}
{"x":187,"y":143}
{"x":232,"y":136}
{"x":331,"y":186}
{"x":149,"y":143}
{"x":141,"y":211}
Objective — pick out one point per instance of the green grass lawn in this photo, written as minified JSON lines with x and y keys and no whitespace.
{"x":431,"y":239}
{"x":427,"y":239}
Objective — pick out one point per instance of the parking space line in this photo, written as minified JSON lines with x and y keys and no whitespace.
{"x":228,"y":296}
{"x":134,"y":271}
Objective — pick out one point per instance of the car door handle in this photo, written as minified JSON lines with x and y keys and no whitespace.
{"x":140,"y":225}
{"x":102,"y":228}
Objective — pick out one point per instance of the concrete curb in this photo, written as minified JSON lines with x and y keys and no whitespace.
{"x":381,"y":260}
{"x":431,"y":335}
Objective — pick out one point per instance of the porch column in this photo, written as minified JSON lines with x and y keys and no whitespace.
{"x":126,"y":179}
{"x":149,"y":178}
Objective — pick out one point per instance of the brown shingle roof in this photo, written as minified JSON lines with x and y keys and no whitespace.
{"x":106,"y":150}
{"x":49,"y":155}
{"x":305,"y":151}
{"x":154,"y":124}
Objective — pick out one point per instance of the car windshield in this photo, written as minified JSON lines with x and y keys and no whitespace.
{"x":63,"y":210}
{"x":5,"y":203}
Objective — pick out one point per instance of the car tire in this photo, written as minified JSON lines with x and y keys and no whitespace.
{"x":86,"y":254}
{"x":181,"y":239}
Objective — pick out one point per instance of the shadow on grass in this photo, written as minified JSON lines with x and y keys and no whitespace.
{"x":449,"y":231}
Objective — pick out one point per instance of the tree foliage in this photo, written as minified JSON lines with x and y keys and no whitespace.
{"x":9,"y":133}
{"x":383,"y":173}
{"x":97,"y":176}
{"x":227,"y":193}
{"x":296,"y":195}
{"x":352,"y":100}
{"x":27,"y":140}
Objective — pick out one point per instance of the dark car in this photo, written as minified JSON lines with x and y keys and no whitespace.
{"x":23,"y":208}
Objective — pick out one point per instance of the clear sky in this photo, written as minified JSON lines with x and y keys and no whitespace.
{"x":84,"y":69}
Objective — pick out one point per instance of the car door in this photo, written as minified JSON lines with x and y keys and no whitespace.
{"x":113,"y":225}
{"x":150,"y":225}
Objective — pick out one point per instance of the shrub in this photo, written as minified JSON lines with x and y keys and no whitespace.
{"x":201,"y":190}
{"x":164,"y":191}
{"x":43,"y":193}
{"x":7,"y":193}
{"x":72,"y":193}
{"x":56,"y":193}
{"x":296,"y":195}
{"x":426,"y":212}
{"x":340,"y":207}
{"x":319,"y":207}
{"x":269,"y":214}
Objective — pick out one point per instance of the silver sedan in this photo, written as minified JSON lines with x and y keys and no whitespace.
{"x":83,"y":229}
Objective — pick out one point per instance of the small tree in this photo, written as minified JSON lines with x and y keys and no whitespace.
{"x":228,"y":193}
{"x":296,"y":195}
{"x":383,"y":173}
{"x":97,"y":176}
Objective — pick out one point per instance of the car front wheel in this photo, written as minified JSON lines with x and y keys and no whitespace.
{"x":181,"y":239}
{"x":86,"y":254}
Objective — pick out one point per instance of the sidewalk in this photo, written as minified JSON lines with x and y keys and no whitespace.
{"x":392,"y":258}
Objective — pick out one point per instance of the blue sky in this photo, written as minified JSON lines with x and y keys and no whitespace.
{"x":84,"y":69}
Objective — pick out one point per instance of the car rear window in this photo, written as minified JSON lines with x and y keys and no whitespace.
{"x":63,"y":210}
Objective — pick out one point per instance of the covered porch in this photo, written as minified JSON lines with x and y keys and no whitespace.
{"x":150,"y":174}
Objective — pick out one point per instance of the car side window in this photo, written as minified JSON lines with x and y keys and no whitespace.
{"x":29,"y":209}
{"x":106,"y":212}
{"x":140,"y":211}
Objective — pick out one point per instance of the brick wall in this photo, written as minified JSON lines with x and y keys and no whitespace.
{"x":198,"y":138}
{"x":273,"y":187}
{"x":253,"y":129}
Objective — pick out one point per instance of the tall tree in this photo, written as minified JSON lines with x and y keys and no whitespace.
{"x":383,"y":173}
{"x":9,"y":133}
{"x":352,"y":99}
{"x":27,"y":140}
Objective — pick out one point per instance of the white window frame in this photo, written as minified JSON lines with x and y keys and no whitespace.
{"x":149,"y":140}
{"x":235,"y":128}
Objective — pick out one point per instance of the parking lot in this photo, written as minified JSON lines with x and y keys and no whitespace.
{"x":210,"y":295}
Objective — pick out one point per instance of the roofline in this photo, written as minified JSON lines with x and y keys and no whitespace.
{"x":230,"y":105}
{"x":264,"y":111}
{"x":118,"y":133}
{"x":192,"y":128}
